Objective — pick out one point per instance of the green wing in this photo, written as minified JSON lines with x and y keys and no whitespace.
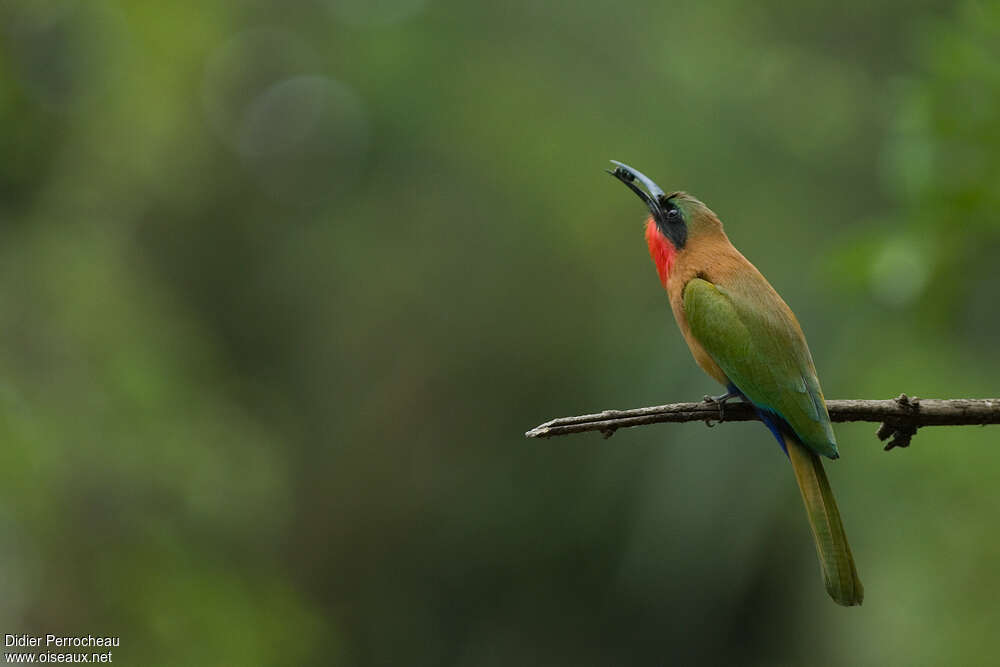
{"x":753,"y":336}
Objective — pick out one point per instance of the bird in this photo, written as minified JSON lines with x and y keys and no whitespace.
{"x":744,"y":335}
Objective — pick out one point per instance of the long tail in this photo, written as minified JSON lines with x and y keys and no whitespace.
{"x":835,"y":559}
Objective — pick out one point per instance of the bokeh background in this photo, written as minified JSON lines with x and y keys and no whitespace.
{"x":282,"y":284}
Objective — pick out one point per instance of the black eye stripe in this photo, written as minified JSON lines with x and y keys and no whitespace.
{"x":672,"y":224}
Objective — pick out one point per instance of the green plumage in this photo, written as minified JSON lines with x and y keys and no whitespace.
{"x":836,"y":562}
{"x":753,"y":336}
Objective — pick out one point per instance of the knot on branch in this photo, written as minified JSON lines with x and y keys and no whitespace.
{"x":900,"y":430}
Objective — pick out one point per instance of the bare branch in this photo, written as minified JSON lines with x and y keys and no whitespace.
{"x":900,"y":417}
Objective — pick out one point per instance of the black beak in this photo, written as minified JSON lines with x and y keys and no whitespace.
{"x":628,"y":176}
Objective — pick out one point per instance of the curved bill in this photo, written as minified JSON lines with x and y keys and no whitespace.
{"x":628,"y":176}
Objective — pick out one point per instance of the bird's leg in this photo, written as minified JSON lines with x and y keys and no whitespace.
{"x":720,"y":401}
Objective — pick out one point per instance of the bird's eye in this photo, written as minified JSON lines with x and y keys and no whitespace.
{"x":673,"y":213}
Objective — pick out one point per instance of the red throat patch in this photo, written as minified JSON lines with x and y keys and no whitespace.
{"x":661,"y":250}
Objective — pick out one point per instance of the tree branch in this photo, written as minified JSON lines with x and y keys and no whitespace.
{"x":900,"y":417}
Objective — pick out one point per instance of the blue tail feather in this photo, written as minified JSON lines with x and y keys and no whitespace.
{"x":771,"y":420}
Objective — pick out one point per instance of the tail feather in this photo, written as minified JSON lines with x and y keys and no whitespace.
{"x":835,"y":559}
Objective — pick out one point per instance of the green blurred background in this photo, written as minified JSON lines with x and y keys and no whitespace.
{"x":282,"y":284}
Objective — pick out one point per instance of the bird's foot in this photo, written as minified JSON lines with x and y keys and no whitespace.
{"x":720,"y":401}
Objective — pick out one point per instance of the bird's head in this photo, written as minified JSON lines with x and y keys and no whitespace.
{"x":675,"y":219}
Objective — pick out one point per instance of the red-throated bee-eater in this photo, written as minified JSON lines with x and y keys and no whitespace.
{"x":744,"y":335}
